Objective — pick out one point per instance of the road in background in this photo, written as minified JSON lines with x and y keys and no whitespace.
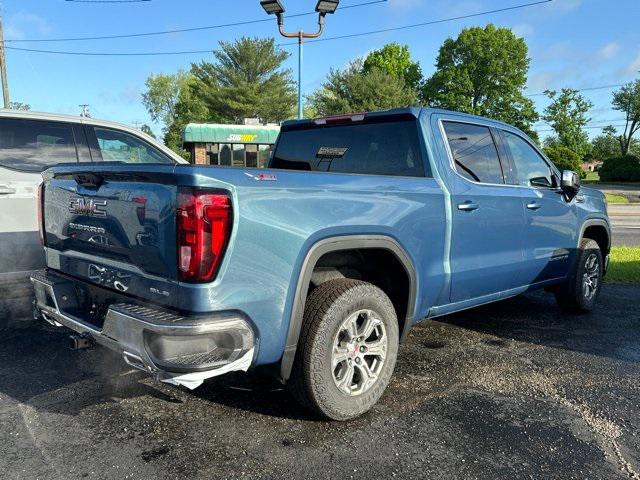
{"x":625,"y":218}
{"x":625,"y":223}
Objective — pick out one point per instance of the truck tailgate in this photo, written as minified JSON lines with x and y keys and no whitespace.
{"x":115,"y":229}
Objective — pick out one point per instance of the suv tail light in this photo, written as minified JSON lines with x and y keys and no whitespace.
{"x":40,"y":206}
{"x":203,"y":229}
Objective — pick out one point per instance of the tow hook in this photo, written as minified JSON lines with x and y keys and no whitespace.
{"x":81,"y":342}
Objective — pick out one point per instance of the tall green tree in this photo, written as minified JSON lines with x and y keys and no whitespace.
{"x":607,"y":145}
{"x":162,"y":94}
{"x":247,"y":80}
{"x":190,"y":107}
{"x":171,"y":101}
{"x":353,"y":90}
{"x":147,"y":129}
{"x":604,"y":146}
{"x":567,"y":116}
{"x":627,"y":101}
{"x":484,"y":72}
{"x":395,"y":59}
{"x":565,"y":159}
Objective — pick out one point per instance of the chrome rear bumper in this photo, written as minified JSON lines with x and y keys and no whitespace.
{"x":176,"y":349}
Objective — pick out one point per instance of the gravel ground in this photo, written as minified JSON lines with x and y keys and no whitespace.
{"x":510,"y":390}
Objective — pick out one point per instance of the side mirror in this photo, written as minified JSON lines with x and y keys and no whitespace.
{"x":570,"y":183}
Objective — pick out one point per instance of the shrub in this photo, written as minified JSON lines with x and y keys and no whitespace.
{"x":565,"y":159}
{"x":620,"y":169}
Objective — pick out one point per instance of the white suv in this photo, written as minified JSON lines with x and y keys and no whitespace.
{"x":30,"y":143}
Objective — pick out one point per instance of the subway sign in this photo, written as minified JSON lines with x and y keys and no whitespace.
{"x":241,"y":138}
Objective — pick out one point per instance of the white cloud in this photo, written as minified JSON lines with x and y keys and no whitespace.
{"x":23,"y":24}
{"x":522,"y":29}
{"x":634,"y":66}
{"x":608,"y":51}
{"x":541,"y":82}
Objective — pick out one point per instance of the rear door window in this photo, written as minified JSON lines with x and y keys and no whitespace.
{"x":384,"y":148}
{"x":474,"y":152}
{"x":35,"y":145}
{"x":119,"y":146}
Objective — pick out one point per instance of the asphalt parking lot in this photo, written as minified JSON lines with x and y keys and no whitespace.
{"x":510,"y":390}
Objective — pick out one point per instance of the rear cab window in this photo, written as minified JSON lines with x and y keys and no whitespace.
{"x":380,"y":146}
{"x":113,"y":145}
{"x":35,"y":145}
{"x":474,"y":152}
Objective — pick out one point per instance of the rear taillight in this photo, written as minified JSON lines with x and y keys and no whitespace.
{"x":203,"y":229}
{"x":40,"y":206}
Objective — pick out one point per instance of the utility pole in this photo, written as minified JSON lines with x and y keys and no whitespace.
{"x":3,"y":69}
{"x":85,"y":110}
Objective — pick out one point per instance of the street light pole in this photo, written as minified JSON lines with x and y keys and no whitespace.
{"x":300,"y":50}
{"x":323,"y":7}
{"x":300,"y":36}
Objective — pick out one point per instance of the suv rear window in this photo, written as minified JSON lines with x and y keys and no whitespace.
{"x":384,"y":148}
{"x":118,"y":146}
{"x":34,"y":145}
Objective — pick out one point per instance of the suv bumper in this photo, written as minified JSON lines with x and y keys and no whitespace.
{"x":183,"y":350}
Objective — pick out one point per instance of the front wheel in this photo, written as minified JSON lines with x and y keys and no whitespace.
{"x":347,"y":349}
{"x":581,"y":291}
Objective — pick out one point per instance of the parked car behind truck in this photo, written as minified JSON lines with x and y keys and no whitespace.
{"x":318,"y":266}
{"x":30,"y":143}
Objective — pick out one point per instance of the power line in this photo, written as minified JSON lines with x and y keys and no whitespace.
{"x":179,"y":30}
{"x":373,"y":32}
{"x":431,"y":22}
{"x":541,"y":122}
{"x":586,"y":89}
{"x":594,"y":126}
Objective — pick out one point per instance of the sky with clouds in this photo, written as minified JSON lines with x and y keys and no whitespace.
{"x":572,"y":43}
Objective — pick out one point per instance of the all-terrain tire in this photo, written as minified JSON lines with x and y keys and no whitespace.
{"x":312,"y":378}
{"x":580,"y":292}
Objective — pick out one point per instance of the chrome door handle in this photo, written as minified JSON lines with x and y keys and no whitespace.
{"x":467,"y":206}
{"x":533,"y":205}
{"x":6,"y":190}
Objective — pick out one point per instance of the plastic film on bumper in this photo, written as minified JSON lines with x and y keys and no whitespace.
{"x":194,"y":379}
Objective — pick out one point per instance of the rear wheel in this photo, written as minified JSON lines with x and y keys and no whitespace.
{"x":581,"y":291}
{"x":347,"y":349}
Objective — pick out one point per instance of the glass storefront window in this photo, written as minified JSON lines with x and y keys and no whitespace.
{"x":238,"y":155}
{"x":251,"y":155}
{"x":212,"y":153}
{"x":248,"y":155}
{"x":264,"y":152}
{"x":225,"y":154}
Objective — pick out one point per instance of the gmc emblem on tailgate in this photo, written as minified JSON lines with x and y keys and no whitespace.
{"x":82,"y":206}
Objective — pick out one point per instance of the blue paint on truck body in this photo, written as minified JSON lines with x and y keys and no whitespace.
{"x":461,"y":258}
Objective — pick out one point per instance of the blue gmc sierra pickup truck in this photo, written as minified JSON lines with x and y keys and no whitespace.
{"x":317,"y":266}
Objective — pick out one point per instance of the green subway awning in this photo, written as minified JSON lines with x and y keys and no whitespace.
{"x":219,"y":133}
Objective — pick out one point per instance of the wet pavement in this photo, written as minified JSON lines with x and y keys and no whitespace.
{"x":509,"y":390}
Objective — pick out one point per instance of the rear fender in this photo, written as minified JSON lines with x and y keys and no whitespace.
{"x":334,"y":244}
